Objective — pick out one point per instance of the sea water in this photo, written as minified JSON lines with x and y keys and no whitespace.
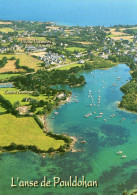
{"x":71,"y":12}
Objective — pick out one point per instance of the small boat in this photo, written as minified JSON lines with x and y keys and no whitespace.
{"x":55,"y":113}
{"x":124,"y":156}
{"x":119,"y":152}
{"x":101,"y":113}
{"x":105,"y":119}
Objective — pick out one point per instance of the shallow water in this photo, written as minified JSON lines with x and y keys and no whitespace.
{"x":98,"y":159}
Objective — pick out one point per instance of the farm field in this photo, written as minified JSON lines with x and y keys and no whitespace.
{"x":9,"y":67}
{"x":25,"y":131}
{"x":6,"y":30}
{"x":2,"y":22}
{"x":25,"y":60}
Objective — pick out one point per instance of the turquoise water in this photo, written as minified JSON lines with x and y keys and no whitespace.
{"x":71,"y":12}
{"x":98,"y":159}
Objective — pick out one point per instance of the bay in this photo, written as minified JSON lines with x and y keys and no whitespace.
{"x":98,"y":159}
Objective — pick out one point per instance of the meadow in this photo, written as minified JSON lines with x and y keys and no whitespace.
{"x":25,"y":131}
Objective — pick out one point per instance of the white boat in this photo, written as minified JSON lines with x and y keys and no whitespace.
{"x":119,"y":152}
{"x":124,"y":156}
{"x":55,"y":113}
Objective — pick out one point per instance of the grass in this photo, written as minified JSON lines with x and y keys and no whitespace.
{"x":8,"y":76}
{"x":6,"y":30}
{"x":25,"y":131}
{"x":19,"y":97}
{"x":67,"y":67}
{"x":72,"y":49}
{"x":25,"y":60}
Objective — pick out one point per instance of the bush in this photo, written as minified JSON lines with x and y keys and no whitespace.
{"x":51,"y":150}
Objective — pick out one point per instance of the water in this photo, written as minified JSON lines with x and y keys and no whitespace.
{"x":98,"y":159}
{"x":71,"y":12}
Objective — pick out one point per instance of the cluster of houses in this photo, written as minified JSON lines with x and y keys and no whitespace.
{"x":52,"y":58}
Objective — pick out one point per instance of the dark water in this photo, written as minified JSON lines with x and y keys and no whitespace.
{"x":98,"y":159}
{"x":71,"y":12}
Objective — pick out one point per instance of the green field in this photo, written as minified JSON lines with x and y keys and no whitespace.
{"x":67,"y":67}
{"x":8,"y":76}
{"x":19,"y":97}
{"x":25,"y":131}
{"x":6,"y":30}
{"x":72,"y":49}
{"x":25,"y":60}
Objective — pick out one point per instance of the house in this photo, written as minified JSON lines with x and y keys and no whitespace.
{"x":32,"y":48}
{"x":81,"y":61}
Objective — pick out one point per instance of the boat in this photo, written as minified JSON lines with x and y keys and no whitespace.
{"x":55,"y":113}
{"x":105,"y":119}
{"x":124,"y":156}
{"x":119,"y":152}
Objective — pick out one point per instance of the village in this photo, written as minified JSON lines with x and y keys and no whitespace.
{"x":63,"y":45}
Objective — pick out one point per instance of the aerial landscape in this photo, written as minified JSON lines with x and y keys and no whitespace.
{"x":68,"y":99}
